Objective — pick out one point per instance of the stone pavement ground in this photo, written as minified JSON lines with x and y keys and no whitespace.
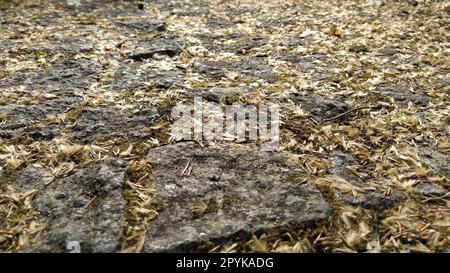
{"x":88,"y":162}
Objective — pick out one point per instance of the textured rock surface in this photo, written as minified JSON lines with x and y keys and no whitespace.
{"x":168,"y":44}
{"x":80,"y":83}
{"x":101,"y":122}
{"x":318,"y":65}
{"x":248,"y":68}
{"x":67,"y":45}
{"x":322,"y":108}
{"x":85,"y":209}
{"x":221,"y":95}
{"x":403,"y":94}
{"x":431,"y":189}
{"x":144,"y":25}
{"x":437,"y":161}
{"x":62,"y":77}
{"x":18,"y":117}
{"x":368,"y":197}
{"x":136,"y":75}
{"x":32,"y":178}
{"x":233,"y":43}
{"x":230,"y":190}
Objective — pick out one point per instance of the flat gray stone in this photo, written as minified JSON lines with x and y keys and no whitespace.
{"x":101,"y":122}
{"x":243,"y":45}
{"x":167,"y":44}
{"x":85,"y":208}
{"x":225,"y":95}
{"x":437,"y":161}
{"x":184,"y":8}
{"x":250,"y":67}
{"x":275,"y":23}
{"x":10,"y":44}
{"x":318,"y":65}
{"x":19,"y":117}
{"x":431,"y":189}
{"x":322,"y":108}
{"x":71,"y":45}
{"x":233,"y":43}
{"x":368,"y":199}
{"x":237,"y":10}
{"x":65,"y":76}
{"x":402,"y":94}
{"x":293,"y":41}
{"x":144,"y":25}
{"x":231,"y":190}
{"x":31,"y":178}
{"x":135,"y":75}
